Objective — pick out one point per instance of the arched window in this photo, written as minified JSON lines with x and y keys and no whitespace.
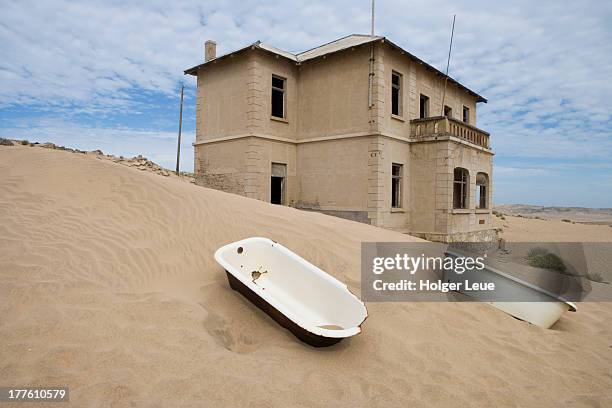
{"x":461,"y":183}
{"x":482,"y":190}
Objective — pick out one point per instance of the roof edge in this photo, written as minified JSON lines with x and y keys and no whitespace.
{"x":295,"y":58}
{"x":194,"y":70}
{"x":372,"y":38}
{"x":479,"y":98}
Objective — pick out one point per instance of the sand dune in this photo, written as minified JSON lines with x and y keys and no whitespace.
{"x":108,"y":285}
{"x":602,"y":216}
{"x":520,"y":229}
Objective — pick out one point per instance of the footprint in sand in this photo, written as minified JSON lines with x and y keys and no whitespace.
{"x":233,"y":322}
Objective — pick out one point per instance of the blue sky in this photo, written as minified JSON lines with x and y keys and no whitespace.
{"x":106,"y":75}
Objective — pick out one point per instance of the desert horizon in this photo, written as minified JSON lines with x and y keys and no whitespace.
{"x":578,"y":214}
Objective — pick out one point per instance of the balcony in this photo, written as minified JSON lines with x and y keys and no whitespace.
{"x":443,"y":126}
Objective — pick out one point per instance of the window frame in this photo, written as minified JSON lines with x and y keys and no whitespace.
{"x":423,"y":113}
{"x":450,"y":111}
{"x":466,"y":114}
{"x":464,"y":189}
{"x":283,"y":91}
{"x":482,"y":190}
{"x":396,"y":183}
{"x":399,"y":86}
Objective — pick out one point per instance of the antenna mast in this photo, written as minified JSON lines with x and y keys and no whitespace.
{"x":178,"y":148}
{"x":373,"y":7}
{"x":448,"y":63}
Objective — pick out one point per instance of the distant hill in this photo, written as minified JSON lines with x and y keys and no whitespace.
{"x":575,"y":214}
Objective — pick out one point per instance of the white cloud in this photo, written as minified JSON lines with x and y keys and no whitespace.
{"x":544,"y":66}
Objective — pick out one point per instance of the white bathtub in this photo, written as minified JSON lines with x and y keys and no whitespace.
{"x":542,"y":314}
{"x":316,"y":307}
{"x":540,"y":307}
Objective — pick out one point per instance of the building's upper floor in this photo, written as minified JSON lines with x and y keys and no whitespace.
{"x":352,"y":86}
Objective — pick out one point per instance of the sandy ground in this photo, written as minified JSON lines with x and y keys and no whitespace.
{"x":521,"y":229}
{"x":108,"y":285}
{"x":575,"y":214}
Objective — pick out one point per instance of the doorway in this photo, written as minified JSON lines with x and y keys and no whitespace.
{"x":277,"y":183}
{"x":276,"y":196}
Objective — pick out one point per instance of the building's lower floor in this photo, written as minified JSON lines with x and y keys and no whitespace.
{"x":438,"y":189}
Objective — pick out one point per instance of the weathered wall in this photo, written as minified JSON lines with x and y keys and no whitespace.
{"x":433,"y":165}
{"x":262,"y":66}
{"x":262,"y":153}
{"x":330,"y":94}
{"x":221,"y":102}
{"x":222,"y":165}
{"x":417,"y":80}
{"x":333,"y":94}
{"x":474,"y":161}
{"x":395,"y":151}
{"x":333,"y":176}
{"x":424,"y":165}
{"x":243,"y":166}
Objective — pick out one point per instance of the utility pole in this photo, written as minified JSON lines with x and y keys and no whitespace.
{"x":448,"y":63}
{"x":178,"y":149}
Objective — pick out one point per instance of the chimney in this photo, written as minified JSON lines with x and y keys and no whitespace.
{"x":210,"y":50}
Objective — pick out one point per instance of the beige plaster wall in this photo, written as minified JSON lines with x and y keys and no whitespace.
{"x":222,"y":165}
{"x":243,"y":166}
{"x":417,"y":80}
{"x":262,"y":154}
{"x":474,"y":161}
{"x":221,"y":101}
{"x":333,"y":175}
{"x":333,"y":94}
{"x":433,"y":165}
{"x":262,"y":66}
{"x":424,"y":168}
{"x":394,"y":151}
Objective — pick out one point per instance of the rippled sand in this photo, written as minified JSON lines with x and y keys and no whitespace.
{"x":108,"y":286}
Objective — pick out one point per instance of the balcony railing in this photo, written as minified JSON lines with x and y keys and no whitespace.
{"x":442,"y":125}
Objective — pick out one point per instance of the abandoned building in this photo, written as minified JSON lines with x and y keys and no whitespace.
{"x":358,"y":128}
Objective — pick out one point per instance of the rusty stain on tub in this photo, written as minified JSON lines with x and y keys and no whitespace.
{"x":257,"y":274}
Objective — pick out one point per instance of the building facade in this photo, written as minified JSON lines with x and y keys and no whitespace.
{"x":358,"y":128}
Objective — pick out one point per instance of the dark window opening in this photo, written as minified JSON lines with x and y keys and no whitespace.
{"x":466,"y":114}
{"x":278,"y":96}
{"x":396,"y":185}
{"x":482,"y":190}
{"x":448,"y":111}
{"x":461,"y":182}
{"x":424,"y":106}
{"x":396,"y":94}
